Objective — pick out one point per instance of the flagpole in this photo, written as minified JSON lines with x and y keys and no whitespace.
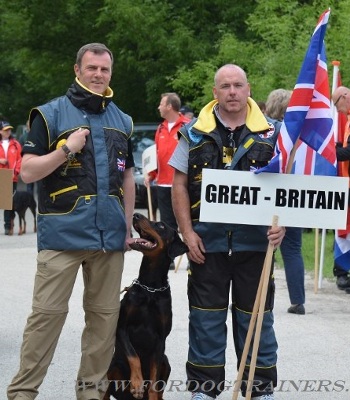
{"x":255,"y":324}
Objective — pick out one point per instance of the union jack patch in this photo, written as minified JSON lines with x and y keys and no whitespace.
{"x":268,"y":133}
{"x":120,"y":164}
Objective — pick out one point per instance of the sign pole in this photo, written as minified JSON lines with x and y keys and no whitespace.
{"x":149,"y":198}
{"x":316,"y":260}
{"x":256,"y":317}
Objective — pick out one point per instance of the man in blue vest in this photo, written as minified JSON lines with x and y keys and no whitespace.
{"x":230,"y":132}
{"x":79,"y":149}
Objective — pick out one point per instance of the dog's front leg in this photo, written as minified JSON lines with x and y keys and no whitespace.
{"x":153,"y":393}
{"x":136,"y":379}
{"x":159,"y":375}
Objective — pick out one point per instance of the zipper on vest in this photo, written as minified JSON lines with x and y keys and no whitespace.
{"x":229,"y":239}
{"x":62,"y":191}
{"x":102,"y":242}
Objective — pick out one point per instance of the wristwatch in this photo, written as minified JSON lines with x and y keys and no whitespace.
{"x":69,"y":155}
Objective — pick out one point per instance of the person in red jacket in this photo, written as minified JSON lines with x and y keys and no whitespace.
{"x":166,"y":140}
{"x":10,"y":158}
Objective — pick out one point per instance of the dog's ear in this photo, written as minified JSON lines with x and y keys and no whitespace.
{"x":177,"y":247}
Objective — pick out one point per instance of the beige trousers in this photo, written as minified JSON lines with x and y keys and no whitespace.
{"x":54,"y":282}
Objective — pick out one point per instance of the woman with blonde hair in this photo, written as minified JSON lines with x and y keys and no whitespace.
{"x":276,"y":103}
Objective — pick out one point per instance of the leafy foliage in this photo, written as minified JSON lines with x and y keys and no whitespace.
{"x":159,"y":46}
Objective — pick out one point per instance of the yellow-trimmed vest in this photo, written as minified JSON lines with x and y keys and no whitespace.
{"x":254,"y":150}
{"x":81,"y":202}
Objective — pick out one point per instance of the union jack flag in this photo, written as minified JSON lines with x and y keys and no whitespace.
{"x":120,"y":164}
{"x":308,"y":162}
{"x":308,"y":118}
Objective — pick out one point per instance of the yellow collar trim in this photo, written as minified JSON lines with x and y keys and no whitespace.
{"x":255,"y":121}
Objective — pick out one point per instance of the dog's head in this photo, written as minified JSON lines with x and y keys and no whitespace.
{"x":156,"y":238}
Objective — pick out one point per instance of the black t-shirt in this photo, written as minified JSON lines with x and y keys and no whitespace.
{"x":230,"y":141}
{"x":37,"y":143}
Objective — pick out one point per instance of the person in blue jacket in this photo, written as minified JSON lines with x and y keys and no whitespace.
{"x":231,"y":132}
{"x":79,"y":150}
{"x":291,"y":246}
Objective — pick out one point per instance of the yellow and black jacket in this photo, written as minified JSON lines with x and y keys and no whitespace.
{"x":206,"y":150}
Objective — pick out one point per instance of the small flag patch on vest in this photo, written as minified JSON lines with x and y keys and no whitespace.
{"x":120,"y":164}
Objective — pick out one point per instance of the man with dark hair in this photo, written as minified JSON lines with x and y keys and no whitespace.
{"x":79,"y":149}
{"x":166,"y":139}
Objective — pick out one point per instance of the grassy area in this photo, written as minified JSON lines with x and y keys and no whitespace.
{"x":308,"y":250}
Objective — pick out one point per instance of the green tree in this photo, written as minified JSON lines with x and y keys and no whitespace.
{"x":273,"y":49}
{"x":159,"y":46}
{"x":39,"y":42}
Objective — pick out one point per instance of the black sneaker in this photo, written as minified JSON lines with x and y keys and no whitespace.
{"x":343,"y":282}
{"x":297,"y":309}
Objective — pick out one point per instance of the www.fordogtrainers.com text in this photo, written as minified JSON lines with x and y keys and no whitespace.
{"x":283,"y":386}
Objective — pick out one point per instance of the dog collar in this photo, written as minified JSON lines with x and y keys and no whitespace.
{"x":149,"y":289}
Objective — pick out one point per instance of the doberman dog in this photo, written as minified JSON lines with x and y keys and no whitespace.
{"x":139,"y":368}
{"x":23,"y":200}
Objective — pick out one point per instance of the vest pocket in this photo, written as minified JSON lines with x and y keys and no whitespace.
{"x":259,"y":155}
{"x":61,"y":192}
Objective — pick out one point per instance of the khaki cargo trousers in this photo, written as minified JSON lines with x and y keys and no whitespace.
{"x":54,"y":282}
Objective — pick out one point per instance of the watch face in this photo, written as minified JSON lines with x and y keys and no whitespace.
{"x":70,"y":156}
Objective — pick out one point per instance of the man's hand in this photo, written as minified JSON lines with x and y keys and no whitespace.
{"x":76,"y":141}
{"x":275,"y":235}
{"x":147,"y":180}
{"x":196,"y":247}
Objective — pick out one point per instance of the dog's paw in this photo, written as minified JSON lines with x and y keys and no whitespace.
{"x":137,"y":392}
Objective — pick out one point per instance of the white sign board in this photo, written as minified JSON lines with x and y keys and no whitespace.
{"x":149,"y":159}
{"x":253,"y":199}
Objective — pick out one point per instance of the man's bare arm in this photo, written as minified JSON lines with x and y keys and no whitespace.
{"x":36,"y":167}
{"x":181,"y":207}
{"x":129,"y":198}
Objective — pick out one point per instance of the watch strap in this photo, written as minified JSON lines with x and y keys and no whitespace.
{"x":65,"y":148}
